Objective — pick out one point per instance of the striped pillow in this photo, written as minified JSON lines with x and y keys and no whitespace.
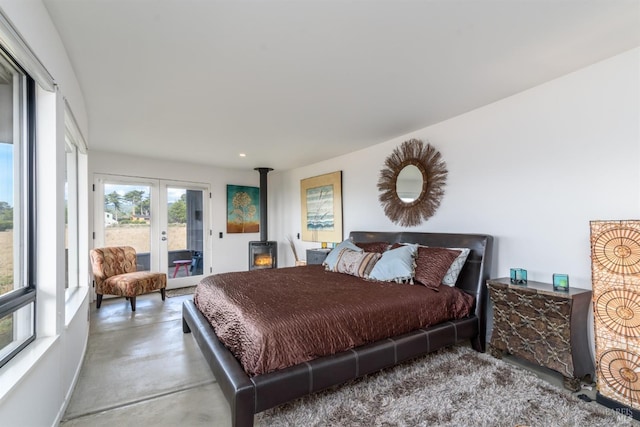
{"x":357,"y":264}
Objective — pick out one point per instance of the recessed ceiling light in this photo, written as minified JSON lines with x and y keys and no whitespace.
{"x":243,"y":155}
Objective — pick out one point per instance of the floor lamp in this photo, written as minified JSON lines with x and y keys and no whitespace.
{"x":615,"y":270}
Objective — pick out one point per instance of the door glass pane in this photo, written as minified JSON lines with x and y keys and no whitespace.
{"x":185,"y":232}
{"x":127,"y":219}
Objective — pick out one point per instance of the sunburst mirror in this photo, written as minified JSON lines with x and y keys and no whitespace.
{"x":412,"y":183}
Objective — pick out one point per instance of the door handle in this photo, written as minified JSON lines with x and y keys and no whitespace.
{"x":164,"y":238}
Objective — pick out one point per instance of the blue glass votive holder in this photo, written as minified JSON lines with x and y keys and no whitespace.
{"x":560,"y":282}
{"x":518,"y":276}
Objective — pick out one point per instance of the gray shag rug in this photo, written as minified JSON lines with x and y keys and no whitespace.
{"x":170,"y":293}
{"x":451,"y":387}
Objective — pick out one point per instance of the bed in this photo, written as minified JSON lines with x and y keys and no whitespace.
{"x":249,"y":394}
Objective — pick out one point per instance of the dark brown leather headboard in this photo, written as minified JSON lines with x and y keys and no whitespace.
{"x":476,"y":270}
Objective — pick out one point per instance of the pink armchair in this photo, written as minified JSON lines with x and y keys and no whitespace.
{"x":114,"y":271}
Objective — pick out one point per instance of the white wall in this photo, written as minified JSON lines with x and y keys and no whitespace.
{"x":32,"y":20}
{"x":36,"y":384}
{"x":532,"y":170}
{"x":229,"y":253}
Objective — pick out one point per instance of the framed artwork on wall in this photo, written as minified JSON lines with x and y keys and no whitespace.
{"x":243,"y":213}
{"x":321,"y":199}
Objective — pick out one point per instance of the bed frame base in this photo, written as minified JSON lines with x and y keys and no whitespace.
{"x":250,"y":395}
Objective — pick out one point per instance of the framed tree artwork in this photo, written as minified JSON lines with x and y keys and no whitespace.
{"x":243,"y":214}
{"x":321,"y":198}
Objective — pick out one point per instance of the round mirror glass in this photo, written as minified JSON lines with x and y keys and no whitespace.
{"x":409,"y":183}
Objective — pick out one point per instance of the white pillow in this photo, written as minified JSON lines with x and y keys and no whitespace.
{"x":396,"y":265}
{"x":451,"y":277}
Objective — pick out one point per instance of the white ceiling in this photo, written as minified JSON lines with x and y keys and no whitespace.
{"x":293,"y":82}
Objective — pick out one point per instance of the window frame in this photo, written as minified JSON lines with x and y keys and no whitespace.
{"x":26,"y":233}
{"x":72,"y":276}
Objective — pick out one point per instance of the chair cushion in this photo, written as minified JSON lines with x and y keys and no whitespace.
{"x":113,"y":260}
{"x":132,"y":284}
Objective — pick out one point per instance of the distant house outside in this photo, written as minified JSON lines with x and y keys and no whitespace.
{"x":108,"y":219}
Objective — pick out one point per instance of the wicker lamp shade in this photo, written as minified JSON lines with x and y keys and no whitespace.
{"x":615,"y":271}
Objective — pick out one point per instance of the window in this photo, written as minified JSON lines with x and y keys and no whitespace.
{"x":71,"y":215}
{"x":17,"y":209}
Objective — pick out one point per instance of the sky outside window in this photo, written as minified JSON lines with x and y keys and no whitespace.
{"x":6,"y":173}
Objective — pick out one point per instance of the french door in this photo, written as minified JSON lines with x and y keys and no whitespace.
{"x":166,"y":222}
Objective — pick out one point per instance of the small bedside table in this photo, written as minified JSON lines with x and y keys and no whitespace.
{"x":317,"y":255}
{"x":545,"y":327}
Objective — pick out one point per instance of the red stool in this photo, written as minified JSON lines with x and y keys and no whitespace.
{"x":186,"y":263}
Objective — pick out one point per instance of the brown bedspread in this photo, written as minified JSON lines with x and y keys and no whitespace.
{"x":275,"y":318}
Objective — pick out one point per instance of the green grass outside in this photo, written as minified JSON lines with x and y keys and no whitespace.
{"x":6,"y":285}
{"x":6,"y":323}
{"x":6,"y":331}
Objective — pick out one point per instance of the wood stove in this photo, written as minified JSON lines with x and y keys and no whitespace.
{"x":264,"y":253}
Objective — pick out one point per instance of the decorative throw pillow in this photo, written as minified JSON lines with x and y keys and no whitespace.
{"x":396,"y":265}
{"x":378,"y":247}
{"x":357,"y":264}
{"x":330,"y":261}
{"x":432,"y":264}
{"x":451,"y":277}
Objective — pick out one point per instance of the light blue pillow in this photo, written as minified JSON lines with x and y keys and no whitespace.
{"x":396,"y":265}
{"x":331,"y":259}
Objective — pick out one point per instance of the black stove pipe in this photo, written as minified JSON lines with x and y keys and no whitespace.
{"x":263,"y":202}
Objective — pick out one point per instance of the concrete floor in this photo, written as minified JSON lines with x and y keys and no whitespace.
{"x":140,"y":369}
